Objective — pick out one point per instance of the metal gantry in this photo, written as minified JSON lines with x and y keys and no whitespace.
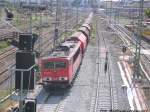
{"x":136,"y":74}
{"x":57,"y":17}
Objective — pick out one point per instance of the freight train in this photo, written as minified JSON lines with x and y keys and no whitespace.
{"x":59,"y":67}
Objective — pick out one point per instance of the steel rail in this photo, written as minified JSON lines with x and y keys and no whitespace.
{"x":129,"y":38}
{"x":110,"y":104}
{"x":110,"y":75}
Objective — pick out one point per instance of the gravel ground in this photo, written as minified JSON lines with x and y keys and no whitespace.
{"x":122,"y":100}
{"x":80,"y":96}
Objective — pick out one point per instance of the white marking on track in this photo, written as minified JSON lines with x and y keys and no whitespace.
{"x":129,"y":91}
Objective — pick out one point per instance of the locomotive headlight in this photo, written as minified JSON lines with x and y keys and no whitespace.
{"x":63,"y":78}
{"x":47,"y":79}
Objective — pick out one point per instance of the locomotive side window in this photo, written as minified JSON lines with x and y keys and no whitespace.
{"x":49,"y":65}
{"x":76,"y":55}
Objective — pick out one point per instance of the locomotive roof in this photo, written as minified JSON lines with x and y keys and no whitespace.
{"x":64,"y":50}
{"x":77,"y":34}
{"x":82,"y":28}
{"x":87,"y":26}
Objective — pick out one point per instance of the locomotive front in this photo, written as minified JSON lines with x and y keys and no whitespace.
{"x":54,"y":71}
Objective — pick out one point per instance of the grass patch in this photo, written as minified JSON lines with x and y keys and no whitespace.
{"x":4,"y":105}
{"x":65,"y":35}
{"x":35,"y":18}
{"x":93,"y":32}
{"x":3,"y":44}
{"x":4,"y":93}
{"x":18,"y":19}
{"x":8,"y":103}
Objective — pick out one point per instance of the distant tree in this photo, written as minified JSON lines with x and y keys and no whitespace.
{"x":147,"y":12}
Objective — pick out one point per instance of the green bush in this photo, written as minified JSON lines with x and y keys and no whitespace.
{"x":147,"y":12}
{"x":3,"y":44}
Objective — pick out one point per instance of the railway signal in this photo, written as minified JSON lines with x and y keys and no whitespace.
{"x":25,"y":42}
{"x":25,"y":63}
{"x":30,"y":105}
{"x":9,"y":14}
{"x":56,"y":33}
{"x":106,"y":62}
{"x":124,"y":49}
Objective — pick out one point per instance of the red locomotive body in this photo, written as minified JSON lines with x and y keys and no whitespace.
{"x":60,"y":67}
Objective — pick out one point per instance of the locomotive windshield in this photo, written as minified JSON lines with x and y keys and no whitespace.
{"x":54,"y":65}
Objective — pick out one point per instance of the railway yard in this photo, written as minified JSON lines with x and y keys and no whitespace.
{"x":79,"y":59}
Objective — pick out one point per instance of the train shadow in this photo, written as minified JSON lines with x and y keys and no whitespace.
{"x":53,"y":96}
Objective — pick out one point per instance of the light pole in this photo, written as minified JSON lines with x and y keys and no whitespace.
{"x":66,"y":17}
{"x":77,"y":16}
{"x":136,"y":74}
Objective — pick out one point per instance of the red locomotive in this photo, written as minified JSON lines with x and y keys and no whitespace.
{"x":60,"y":67}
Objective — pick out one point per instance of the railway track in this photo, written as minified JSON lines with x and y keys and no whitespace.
{"x":54,"y":101}
{"x":144,"y":67}
{"x":7,"y":53}
{"x":123,"y":33}
{"x":6,"y":35}
{"x":4,"y":66}
{"x":4,"y":73}
{"x":104,"y":94}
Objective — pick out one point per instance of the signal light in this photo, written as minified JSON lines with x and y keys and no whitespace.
{"x":56,"y":34}
{"x":124,"y":49}
{"x":30,"y":105}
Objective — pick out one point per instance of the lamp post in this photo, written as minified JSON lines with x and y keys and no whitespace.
{"x":136,"y":74}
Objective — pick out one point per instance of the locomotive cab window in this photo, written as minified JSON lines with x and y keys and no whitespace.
{"x":54,"y":65}
{"x":60,"y":65}
{"x":49,"y":65}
